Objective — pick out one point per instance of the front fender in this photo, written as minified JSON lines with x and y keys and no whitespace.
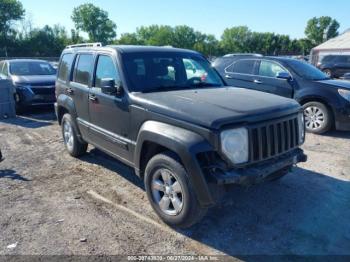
{"x":186,"y":144}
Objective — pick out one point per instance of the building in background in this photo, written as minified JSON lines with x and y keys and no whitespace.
{"x":339,"y":45}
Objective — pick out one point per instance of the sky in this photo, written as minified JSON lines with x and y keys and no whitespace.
{"x":208,"y":16}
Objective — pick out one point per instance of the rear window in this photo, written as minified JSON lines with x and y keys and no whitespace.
{"x":242,"y":67}
{"x":65,"y":66}
{"x":83,"y":69}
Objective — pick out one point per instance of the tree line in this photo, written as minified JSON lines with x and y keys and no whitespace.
{"x":18,"y":37}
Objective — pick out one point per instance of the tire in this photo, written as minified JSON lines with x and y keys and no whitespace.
{"x":318,"y":118}
{"x":328,"y":72}
{"x":69,"y":132}
{"x":172,"y":186}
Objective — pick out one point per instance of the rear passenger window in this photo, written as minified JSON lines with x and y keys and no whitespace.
{"x":83,"y":69}
{"x":242,"y":67}
{"x":65,"y":66}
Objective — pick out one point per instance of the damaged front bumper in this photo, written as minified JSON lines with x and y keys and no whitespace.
{"x":262,"y":171}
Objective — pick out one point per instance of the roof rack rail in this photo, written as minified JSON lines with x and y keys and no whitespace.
{"x":84,"y":45}
{"x":243,"y":54}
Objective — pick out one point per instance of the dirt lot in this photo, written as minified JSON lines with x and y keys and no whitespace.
{"x":52,"y":204}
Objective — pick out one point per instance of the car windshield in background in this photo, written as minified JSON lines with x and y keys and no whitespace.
{"x":151,"y":72}
{"x":307,"y":71}
{"x":27,"y":68}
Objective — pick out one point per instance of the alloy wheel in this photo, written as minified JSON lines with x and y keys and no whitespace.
{"x":68,"y":135}
{"x":167,"y":192}
{"x":314,"y":118}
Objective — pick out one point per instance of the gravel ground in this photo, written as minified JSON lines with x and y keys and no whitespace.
{"x":52,"y":204}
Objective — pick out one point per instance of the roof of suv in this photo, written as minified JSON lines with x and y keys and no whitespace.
{"x":134,"y":49}
{"x":26,"y":60}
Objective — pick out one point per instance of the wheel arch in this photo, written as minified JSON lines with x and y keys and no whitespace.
{"x":321,"y":100}
{"x":65,"y":104}
{"x":156,"y":137}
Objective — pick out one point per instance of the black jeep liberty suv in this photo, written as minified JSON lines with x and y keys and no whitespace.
{"x":169,"y":115}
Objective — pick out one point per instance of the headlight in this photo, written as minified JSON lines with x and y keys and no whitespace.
{"x":24,"y":88}
{"x":301,"y":125}
{"x":234,"y":144}
{"x":344,"y":93}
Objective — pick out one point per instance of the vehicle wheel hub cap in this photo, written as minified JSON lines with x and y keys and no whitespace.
{"x":167,"y":192}
{"x":314,"y":118}
{"x":68,"y":135}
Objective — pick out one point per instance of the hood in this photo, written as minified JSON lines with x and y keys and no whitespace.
{"x":45,"y":80}
{"x":216,"y":107}
{"x":336,"y":83}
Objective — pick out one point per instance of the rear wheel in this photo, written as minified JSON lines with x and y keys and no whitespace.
{"x":69,"y":131}
{"x":328,"y":72}
{"x":170,"y":192}
{"x":318,"y":118}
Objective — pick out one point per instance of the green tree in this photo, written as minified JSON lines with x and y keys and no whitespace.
{"x":207,"y":44}
{"x":47,"y":41}
{"x":94,"y":21}
{"x":129,"y":39}
{"x":156,"y":35}
{"x":319,"y":30}
{"x":10,"y":11}
{"x":184,"y":37}
{"x":236,"y":40}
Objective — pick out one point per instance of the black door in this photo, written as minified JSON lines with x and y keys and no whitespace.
{"x":109,"y":115}
{"x":80,"y":84}
{"x":241,"y":73}
{"x":267,"y":80}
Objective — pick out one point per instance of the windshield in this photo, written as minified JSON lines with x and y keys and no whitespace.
{"x":27,"y":68}
{"x":151,"y":72}
{"x":307,"y":71}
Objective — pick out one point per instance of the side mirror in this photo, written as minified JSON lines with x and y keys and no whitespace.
{"x":110,"y":87}
{"x":284,"y":75}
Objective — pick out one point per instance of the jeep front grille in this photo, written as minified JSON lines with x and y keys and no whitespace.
{"x":273,"y":139}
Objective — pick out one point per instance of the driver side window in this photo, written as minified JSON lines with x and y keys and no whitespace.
{"x":270,"y":69}
{"x":105,"y":69}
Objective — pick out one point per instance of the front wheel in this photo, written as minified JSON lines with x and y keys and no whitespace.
{"x":328,"y":72}
{"x":318,"y":118}
{"x":170,"y":192}
{"x":69,"y":131}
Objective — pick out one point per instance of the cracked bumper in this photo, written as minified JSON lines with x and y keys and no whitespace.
{"x":261,"y":172}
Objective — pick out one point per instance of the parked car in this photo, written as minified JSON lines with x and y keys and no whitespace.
{"x":221,"y":63}
{"x":34,"y":81}
{"x":185,"y":136}
{"x":326,"y":102}
{"x":335,"y":66}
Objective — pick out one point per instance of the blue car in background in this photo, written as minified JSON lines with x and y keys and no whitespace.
{"x":33,"y":80}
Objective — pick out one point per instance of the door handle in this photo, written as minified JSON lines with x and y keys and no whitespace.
{"x":228,"y":77}
{"x":93,"y":98}
{"x":257,"y":82}
{"x":70,"y":91}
